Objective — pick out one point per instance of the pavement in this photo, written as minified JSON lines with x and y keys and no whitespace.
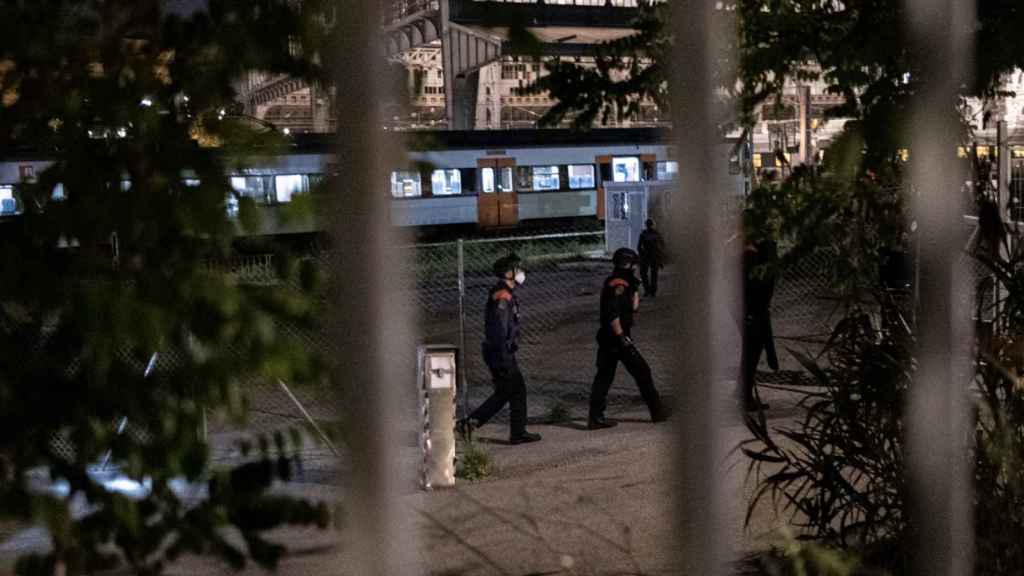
{"x":577,"y":503}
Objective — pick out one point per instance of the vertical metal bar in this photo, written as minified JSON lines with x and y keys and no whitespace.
{"x":448,"y":63}
{"x":694,"y":235}
{"x":375,"y":355}
{"x":938,"y":412}
{"x":463,"y":354}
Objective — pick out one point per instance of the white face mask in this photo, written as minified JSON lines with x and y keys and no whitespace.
{"x":520,"y":277}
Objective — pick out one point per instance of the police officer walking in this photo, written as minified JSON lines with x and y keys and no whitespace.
{"x":758,"y":288}
{"x":619,"y":301}
{"x":501,"y":326}
{"x":651,"y":248}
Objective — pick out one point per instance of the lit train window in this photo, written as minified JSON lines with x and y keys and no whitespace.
{"x":581,"y":176}
{"x":58,"y":192}
{"x":626,"y":169}
{"x":545,"y":178}
{"x":668,"y":170}
{"x":446,"y":182}
{"x":504,"y":183}
{"x":231,"y":205}
{"x":487,"y":180}
{"x":405,"y":184}
{"x":259,"y":188}
{"x":7,"y":203}
{"x":289,"y":185}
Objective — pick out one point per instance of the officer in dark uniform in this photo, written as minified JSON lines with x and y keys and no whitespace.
{"x":651,"y":248}
{"x":501,"y":326}
{"x":758,"y":288}
{"x":619,"y":300}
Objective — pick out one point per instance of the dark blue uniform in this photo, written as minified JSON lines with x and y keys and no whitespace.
{"x":617,"y":302}
{"x":758,"y":288}
{"x":501,"y":326}
{"x":651,"y":248}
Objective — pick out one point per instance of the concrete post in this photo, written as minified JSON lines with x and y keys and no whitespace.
{"x":698,"y":373}
{"x":1003,"y":145}
{"x":938,"y":417}
{"x":804,"y":95}
{"x":448,"y":63}
{"x":375,"y":352}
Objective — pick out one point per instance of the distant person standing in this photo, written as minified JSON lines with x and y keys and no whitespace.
{"x":651,"y":249}
{"x":758,"y":289}
{"x":619,"y":301}
{"x":501,"y":326}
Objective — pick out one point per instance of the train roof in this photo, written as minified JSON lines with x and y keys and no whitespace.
{"x":451,"y":140}
{"x":499,"y":139}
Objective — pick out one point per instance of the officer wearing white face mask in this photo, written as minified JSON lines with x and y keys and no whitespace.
{"x":501,"y":326}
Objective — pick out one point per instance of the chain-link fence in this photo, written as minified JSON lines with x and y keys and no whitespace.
{"x":449,"y":285}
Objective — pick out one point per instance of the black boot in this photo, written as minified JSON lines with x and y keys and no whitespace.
{"x":660,"y":414}
{"x":465,"y":427}
{"x":523,"y":438}
{"x":599,"y":422}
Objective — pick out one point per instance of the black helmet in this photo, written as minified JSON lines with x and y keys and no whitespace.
{"x":624,"y":257}
{"x":504,"y":264}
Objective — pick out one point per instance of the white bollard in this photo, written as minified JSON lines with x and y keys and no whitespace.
{"x":438,"y":392}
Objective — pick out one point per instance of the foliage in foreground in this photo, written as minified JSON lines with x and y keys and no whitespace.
{"x":840,"y":471}
{"x":109,"y":310}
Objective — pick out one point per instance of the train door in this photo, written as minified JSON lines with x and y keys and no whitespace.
{"x":497,"y":203}
{"x":625,"y":213}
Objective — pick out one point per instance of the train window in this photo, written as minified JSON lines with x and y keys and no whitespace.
{"x":405,"y":184}
{"x":545,"y":178}
{"x":231,"y":205}
{"x":487,"y":180}
{"x":446,"y":182}
{"x":581,"y":176}
{"x":504,"y":183}
{"x":7,"y":203}
{"x":626,"y":169}
{"x":58,"y":192}
{"x":289,"y":185}
{"x":668,"y":170}
{"x":524,"y":178}
{"x":192,"y":182}
{"x":259,"y":188}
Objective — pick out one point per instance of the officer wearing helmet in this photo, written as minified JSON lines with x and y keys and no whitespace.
{"x":501,"y":327}
{"x":619,"y":301}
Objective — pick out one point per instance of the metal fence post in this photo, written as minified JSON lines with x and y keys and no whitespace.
{"x":463,"y":379}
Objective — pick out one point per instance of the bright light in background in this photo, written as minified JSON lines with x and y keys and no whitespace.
{"x":287,"y":131}
{"x":146,"y":102}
